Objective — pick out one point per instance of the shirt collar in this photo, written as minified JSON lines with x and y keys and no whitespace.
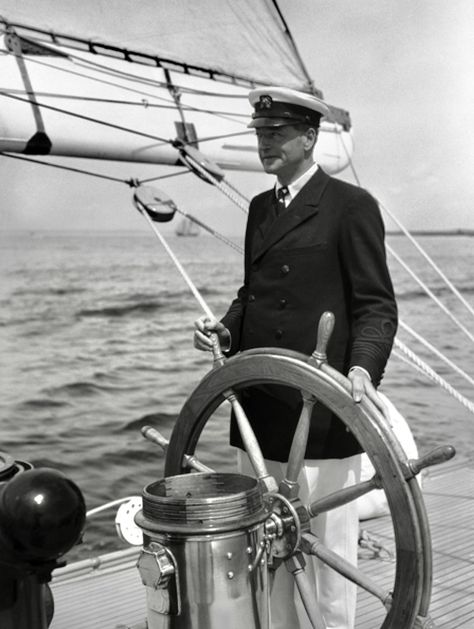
{"x":295,"y":186}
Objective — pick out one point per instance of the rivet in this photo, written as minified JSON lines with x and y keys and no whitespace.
{"x":230,"y":574}
{"x":249,"y":550}
{"x":229,"y":555}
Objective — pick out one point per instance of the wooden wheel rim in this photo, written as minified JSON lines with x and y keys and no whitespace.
{"x":292,"y":369}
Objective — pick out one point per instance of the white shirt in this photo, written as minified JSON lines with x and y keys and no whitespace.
{"x":295,"y":186}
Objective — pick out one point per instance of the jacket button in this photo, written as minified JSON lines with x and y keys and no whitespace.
{"x":278,"y":334}
{"x":285,"y":269}
{"x":282,"y":303}
{"x":251,"y":297}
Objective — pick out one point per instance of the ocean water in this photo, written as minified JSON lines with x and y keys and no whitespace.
{"x":96,"y":341}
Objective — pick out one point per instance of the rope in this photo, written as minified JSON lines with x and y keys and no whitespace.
{"x":220,"y":137}
{"x":427,"y":370}
{"x":70,"y":168}
{"x":232,"y":116}
{"x":108,"y":505}
{"x":180,"y":172}
{"x":419,"y":248}
{"x":213,"y":232}
{"x":368,"y":541}
{"x":237,"y":191}
{"x":220,"y":185}
{"x":430,"y":293}
{"x":349,"y":158}
{"x":88,"y":118}
{"x":99,"y":67}
{"x":430,"y":261}
{"x":436,"y":351}
{"x":179,"y":266}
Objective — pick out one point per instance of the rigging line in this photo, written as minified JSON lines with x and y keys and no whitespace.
{"x":133,"y":56}
{"x":70,"y":168}
{"x":179,"y":266}
{"x":349,"y":158}
{"x":429,"y":259}
{"x":428,"y":371}
{"x":114,"y":101}
{"x":185,"y":171}
{"x":90,"y":119}
{"x":91,"y":78}
{"x":219,"y":184}
{"x":163,"y":85}
{"x":138,"y":182}
{"x":237,"y":191}
{"x":91,"y":174}
{"x":295,"y":50}
{"x":429,"y":292}
{"x":153,"y":83}
{"x":133,"y":77}
{"x":212,"y":231}
{"x":436,"y":351}
{"x":220,"y":137}
{"x":223,"y":115}
{"x":414,"y":242}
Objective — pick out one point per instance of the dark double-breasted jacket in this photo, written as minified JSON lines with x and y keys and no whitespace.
{"x":324,"y":252}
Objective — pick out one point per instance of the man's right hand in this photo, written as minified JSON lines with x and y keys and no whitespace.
{"x":204,"y":327}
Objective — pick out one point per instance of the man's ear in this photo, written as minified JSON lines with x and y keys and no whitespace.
{"x":311,"y":138}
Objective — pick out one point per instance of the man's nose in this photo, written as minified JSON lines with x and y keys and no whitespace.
{"x":264,"y":142}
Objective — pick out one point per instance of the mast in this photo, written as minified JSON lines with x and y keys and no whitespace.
{"x":311,"y":87}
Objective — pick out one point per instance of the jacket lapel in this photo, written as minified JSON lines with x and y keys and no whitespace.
{"x":304,"y":205}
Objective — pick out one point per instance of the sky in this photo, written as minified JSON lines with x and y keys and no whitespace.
{"x":404,"y":70}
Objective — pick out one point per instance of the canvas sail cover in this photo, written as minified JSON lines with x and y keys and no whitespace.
{"x":245,"y":39}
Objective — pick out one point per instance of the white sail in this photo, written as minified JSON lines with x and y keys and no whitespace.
{"x":186,"y":227}
{"x":242,"y":39}
{"x":68,"y":87}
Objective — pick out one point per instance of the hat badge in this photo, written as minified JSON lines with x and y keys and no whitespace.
{"x":265,"y":101}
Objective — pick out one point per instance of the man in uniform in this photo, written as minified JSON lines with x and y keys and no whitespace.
{"x":313,"y":243}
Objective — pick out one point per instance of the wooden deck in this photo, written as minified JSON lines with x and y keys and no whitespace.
{"x":111,"y":595}
{"x":449,"y":497}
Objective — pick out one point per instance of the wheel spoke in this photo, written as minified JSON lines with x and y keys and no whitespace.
{"x":296,"y":565}
{"x":311,"y":545}
{"x":251,"y":444}
{"x":343,"y":496}
{"x":189,"y":460}
{"x":289,"y":486}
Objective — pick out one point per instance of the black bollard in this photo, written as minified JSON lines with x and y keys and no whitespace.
{"x":42,"y":514}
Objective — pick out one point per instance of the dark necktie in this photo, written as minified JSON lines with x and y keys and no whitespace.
{"x":281,"y":195}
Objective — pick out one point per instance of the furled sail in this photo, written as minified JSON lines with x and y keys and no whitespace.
{"x":245,"y":39}
{"x":68,"y":86}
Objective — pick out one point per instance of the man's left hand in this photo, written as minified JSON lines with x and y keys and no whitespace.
{"x":362,"y":385}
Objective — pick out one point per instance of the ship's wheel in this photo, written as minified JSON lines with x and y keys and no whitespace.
{"x":289,"y":523}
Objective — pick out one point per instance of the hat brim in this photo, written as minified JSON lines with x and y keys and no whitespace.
{"x":260,"y":122}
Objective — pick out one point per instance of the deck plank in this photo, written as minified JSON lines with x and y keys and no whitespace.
{"x":449,"y":499}
{"x":112,"y":596}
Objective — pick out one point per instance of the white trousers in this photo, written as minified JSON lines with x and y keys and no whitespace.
{"x":337,"y":529}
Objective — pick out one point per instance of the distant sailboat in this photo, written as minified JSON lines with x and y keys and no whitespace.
{"x":187,"y":227}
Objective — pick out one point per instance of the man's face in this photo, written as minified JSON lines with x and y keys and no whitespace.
{"x":281,"y":149}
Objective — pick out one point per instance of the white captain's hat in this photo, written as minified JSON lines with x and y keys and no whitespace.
{"x":278,"y":106}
